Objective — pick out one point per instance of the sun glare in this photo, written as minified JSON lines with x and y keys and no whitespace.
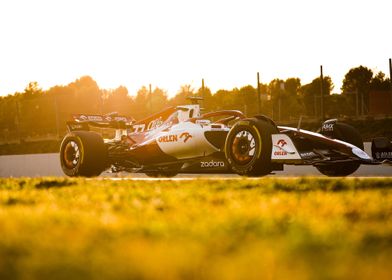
{"x":171,"y":43}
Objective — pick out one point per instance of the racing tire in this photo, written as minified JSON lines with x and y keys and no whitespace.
{"x":83,"y":153}
{"x":349,"y":134}
{"x":248,"y":147}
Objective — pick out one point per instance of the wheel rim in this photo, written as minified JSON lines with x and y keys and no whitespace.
{"x":244,"y":147}
{"x":71,"y":155}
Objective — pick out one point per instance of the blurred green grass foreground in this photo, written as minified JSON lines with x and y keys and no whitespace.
{"x":269,"y":228}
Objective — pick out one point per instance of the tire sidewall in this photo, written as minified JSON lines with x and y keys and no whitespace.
{"x":93,"y":154}
{"x":242,"y":126}
{"x":76,"y":170}
{"x":260,"y":164}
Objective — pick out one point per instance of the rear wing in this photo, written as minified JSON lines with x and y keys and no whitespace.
{"x":113,"y":120}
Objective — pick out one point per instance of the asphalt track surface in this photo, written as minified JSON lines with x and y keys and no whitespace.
{"x":38,"y":165}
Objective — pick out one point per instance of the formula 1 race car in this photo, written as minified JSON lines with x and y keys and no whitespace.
{"x":182,"y":140}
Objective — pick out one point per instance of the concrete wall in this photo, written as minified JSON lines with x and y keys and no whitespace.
{"x":30,"y":165}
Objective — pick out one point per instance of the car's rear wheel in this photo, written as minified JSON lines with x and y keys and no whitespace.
{"x":83,"y":153}
{"x":349,"y":134}
{"x":248,"y":147}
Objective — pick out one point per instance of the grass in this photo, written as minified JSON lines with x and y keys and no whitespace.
{"x":305,"y":228}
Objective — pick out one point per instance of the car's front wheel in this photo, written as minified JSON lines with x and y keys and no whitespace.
{"x":248,"y":147}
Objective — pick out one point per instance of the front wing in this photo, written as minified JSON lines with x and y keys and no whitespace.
{"x":303,"y":147}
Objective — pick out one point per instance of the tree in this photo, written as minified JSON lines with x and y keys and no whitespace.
{"x":285,"y":102}
{"x":9,"y":117}
{"x":142,"y":104}
{"x":380,"y":83}
{"x":208,"y":103}
{"x":358,"y":78}
{"x":311,"y":94}
{"x":88,"y":95}
{"x":224,"y":99}
{"x":276,"y":88}
{"x":337,"y":105}
{"x":248,"y":96}
{"x":64,"y":103}
{"x":314,"y":88}
{"x":119,"y":101}
{"x":182,"y":95}
{"x":32,"y":89}
{"x":292,"y":86}
{"x":159,"y":100}
{"x":291,"y":100}
{"x":357,"y":83}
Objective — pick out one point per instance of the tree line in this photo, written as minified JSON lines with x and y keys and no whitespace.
{"x":36,"y":112}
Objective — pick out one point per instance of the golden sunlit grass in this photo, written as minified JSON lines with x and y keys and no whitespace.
{"x":307,"y":228}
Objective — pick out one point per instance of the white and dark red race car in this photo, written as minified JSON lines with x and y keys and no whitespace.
{"x":182,"y":140}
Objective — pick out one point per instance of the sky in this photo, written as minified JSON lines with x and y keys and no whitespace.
{"x":169,"y":43}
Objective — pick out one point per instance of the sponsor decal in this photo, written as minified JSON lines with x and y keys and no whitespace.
{"x":142,"y":127}
{"x":99,"y":118}
{"x":168,"y":138}
{"x":281,"y":152}
{"x":211,"y":163}
{"x":122,"y":119}
{"x":155,"y":123}
{"x":283,"y":148}
{"x":327,"y":127}
{"x":282,"y":143}
{"x":383,"y":155}
{"x":308,"y":155}
{"x":90,"y":118}
{"x":186,"y":136}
